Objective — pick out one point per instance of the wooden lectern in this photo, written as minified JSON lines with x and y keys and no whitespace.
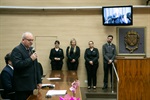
{"x":134,"y":76}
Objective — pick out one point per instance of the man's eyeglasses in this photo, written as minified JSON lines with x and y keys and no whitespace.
{"x":30,"y":40}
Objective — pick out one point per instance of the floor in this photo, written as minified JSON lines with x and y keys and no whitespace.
{"x":98,"y":94}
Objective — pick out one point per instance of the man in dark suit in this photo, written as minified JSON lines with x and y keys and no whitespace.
{"x":26,"y":71}
{"x":7,"y":79}
{"x":109,"y":53}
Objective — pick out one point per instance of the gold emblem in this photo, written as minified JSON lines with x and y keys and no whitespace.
{"x":131,"y":41}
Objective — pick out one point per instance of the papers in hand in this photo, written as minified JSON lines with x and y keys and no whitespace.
{"x":55,"y":78}
{"x":55,"y":92}
{"x":48,"y":85}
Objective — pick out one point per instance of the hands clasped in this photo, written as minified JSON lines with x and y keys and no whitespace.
{"x":34,"y":56}
{"x":91,"y":62}
{"x":57,"y":58}
{"x":110,"y":61}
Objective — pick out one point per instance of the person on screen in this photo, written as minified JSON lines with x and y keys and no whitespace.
{"x":73,"y":54}
{"x":109,"y":20}
{"x":56,"y":56}
{"x":116,"y":16}
{"x":129,"y":17}
{"x":124,"y":19}
{"x":27,"y":78}
{"x":7,"y":79}
{"x":109,"y":54}
{"x":91,"y":57}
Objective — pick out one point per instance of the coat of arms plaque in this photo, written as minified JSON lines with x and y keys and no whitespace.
{"x":131,"y":41}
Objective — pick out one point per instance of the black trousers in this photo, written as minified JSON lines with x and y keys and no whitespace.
{"x":92,"y":74}
{"x":22,"y":95}
{"x":107,"y":68}
{"x":72,"y":66}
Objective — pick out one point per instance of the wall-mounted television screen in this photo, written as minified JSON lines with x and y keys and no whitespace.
{"x":117,"y":15}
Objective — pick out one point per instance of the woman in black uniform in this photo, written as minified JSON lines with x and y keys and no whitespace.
{"x":73,"y":54}
{"x":56,"y":56}
{"x":91,"y":57}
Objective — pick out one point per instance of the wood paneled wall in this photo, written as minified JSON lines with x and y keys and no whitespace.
{"x":134,"y":76}
{"x":49,"y":25}
{"x":70,"y":2}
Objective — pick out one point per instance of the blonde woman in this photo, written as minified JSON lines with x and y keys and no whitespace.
{"x":73,"y":54}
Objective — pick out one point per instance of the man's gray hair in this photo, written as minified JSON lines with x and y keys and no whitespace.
{"x":24,"y":34}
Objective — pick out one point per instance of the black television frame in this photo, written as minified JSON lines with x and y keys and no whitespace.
{"x":103,"y":17}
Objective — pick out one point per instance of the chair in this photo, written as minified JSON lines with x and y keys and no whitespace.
{"x":1,"y":89}
{"x":11,"y":94}
{"x":41,"y":69}
{"x":147,"y":2}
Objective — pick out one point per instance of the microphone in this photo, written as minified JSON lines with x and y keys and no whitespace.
{"x":33,"y":50}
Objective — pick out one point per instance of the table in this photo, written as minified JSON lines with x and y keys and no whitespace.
{"x":67,"y":77}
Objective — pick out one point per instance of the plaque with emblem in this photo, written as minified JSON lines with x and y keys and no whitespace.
{"x":131,"y":41}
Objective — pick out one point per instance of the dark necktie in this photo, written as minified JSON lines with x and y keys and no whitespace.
{"x":29,"y":52}
{"x":109,"y":47}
